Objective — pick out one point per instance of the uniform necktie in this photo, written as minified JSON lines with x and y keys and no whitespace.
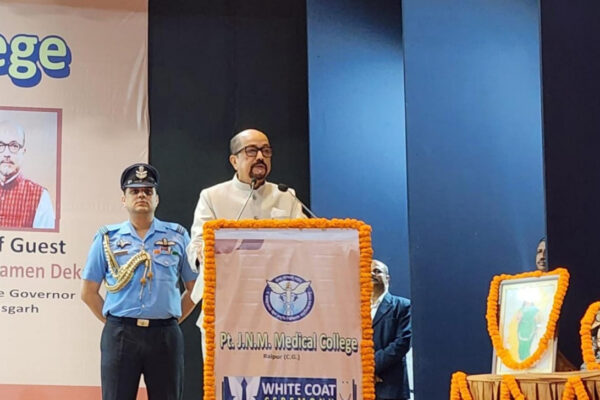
{"x":244,"y":384}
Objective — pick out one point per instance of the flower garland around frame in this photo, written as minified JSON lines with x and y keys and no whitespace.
{"x":509,"y":387}
{"x":366,"y":286}
{"x":459,"y":389}
{"x":492,"y":317}
{"x":585,"y":332}
{"x":574,"y":388}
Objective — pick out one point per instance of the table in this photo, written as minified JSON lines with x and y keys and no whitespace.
{"x":534,"y":386}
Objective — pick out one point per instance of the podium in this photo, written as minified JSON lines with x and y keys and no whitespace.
{"x":287,"y":310}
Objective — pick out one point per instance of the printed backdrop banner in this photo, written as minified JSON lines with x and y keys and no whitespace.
{"x":287,"y":314}
{"x":73,"y":114}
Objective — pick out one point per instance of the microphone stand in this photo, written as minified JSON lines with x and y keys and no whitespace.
{"x":284,"y":188}
{"x":252,"y":184}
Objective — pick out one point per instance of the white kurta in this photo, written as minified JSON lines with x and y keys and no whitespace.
{"x":224,"y":201}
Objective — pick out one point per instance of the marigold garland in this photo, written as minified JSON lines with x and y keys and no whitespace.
{"x":509,"y":387}
{"x":208,"y":302}
{"x":492,"y":317}
{"x":459,"y":389}
{"x":585,"y":332}
{"x":574,"y":388}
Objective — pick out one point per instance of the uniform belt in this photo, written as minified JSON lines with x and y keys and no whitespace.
{"x":141,"y":322}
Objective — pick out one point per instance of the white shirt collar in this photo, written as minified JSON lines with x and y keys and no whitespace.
{"x":375,"y":306}
{"x":246,"y":186}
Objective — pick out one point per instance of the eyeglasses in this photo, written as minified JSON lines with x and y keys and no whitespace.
{"x":14,"y":147}
{"x":252,"y":151}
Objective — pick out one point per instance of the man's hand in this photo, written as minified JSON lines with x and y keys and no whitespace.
{"x":187,"y":305}
{"x":90,"y":294}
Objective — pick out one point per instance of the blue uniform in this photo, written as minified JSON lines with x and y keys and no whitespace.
{"x":141,"y":334}
{"x":160,"y":297}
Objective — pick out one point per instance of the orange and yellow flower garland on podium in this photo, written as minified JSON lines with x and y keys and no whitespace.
{"x":492,"y":317}
{"x":208,"y":302}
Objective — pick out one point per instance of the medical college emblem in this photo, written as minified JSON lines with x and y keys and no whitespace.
{"x":288,"y":297}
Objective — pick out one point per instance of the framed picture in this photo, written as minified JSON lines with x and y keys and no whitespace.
{"x":524,"y":314}
{"x":590,"y":337}
{"x":30,"y":149}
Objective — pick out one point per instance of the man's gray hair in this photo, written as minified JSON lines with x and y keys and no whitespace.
{"x":235,"y":143}
{"x":18,"y":127}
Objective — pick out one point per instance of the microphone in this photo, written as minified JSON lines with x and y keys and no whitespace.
{"x":252,"y":184}
{"x":284,"y":188}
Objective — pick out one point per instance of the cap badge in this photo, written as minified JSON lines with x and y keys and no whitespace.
{"x":141,"y":172}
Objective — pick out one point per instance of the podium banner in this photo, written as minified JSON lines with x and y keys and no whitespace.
{"x":73,"y":114}
{"x":287,"y":311}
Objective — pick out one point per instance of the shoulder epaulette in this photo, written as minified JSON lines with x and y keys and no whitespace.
{"x":108,"y":228}
{"x":181,"y":230}
{"x":177,"y":228}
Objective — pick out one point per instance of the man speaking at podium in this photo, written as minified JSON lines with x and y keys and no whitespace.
{"x":247,"y":195}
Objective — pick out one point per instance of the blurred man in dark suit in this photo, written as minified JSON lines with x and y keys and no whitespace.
{"x":391,"y":336}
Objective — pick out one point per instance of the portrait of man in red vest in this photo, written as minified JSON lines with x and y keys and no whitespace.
{"x":23,"y":203}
